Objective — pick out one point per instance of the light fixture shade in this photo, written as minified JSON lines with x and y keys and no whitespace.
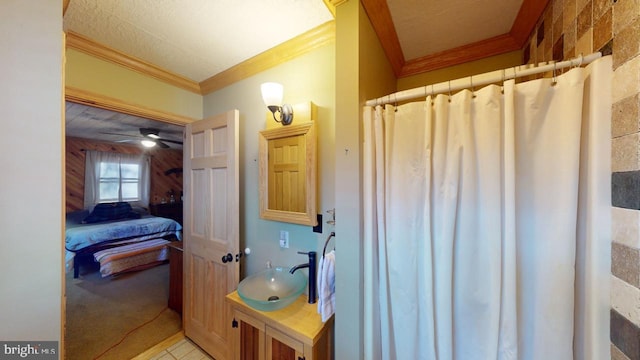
{"x":148,"y":143}
{"x":272,"y":93}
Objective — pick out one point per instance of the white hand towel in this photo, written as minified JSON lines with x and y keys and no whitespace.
{"x":327,"y":286}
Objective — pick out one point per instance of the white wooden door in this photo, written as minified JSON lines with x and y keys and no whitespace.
{"x":211,"y":230}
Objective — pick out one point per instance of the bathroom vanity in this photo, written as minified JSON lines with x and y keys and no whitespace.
{"x":295,"y":332}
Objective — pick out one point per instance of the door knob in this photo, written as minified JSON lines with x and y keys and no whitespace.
{"x":227,"y":258}
{"x":239,"y":255}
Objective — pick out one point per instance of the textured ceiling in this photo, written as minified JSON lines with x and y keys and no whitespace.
{"x":425,"y":27}
{"x":201,"y":38}
{"x":197,"y":38}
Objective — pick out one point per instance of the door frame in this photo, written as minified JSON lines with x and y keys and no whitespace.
{"x":122,"y":106}
{"x":108,"y":103}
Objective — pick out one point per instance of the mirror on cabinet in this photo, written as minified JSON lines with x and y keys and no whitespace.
{"x":288,"y":168}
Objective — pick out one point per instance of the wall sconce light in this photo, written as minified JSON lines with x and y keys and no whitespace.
{"x":272,"y":96}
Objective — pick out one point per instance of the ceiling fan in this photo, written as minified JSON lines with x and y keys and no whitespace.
{"x":150,"y":138}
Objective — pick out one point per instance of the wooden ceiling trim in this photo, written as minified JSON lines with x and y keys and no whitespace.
{"x":88,"y":46}
{"x":494,"y":46}
{"x":311,"y":40}
{"x":65,"y":6}
{"x":528,"y":16}
{"x":108,"y":103}
{"x":380,"y":17}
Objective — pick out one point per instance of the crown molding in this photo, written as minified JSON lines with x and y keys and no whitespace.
{"x":331,"y":5}
{"x":380,"y":17}
{"x":279,"y":54}
{"x":286,"y":51}
{"x":108,"y":103}
{"x":494,"y":46}
{"x":526,"y":20}
{"x":83,"y":44}
{"x":65,"y":6}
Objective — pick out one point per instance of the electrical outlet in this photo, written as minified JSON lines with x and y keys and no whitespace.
{"x":284,"y":239}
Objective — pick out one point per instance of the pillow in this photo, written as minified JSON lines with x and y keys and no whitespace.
{"x":111,"y":211}
{"x":140,"y":210}
{"x":76,"y":217}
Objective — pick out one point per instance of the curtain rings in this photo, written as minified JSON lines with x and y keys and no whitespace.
{"x":433,"y":94}
{"x":473,"y":94}
{"x":579,"y":64}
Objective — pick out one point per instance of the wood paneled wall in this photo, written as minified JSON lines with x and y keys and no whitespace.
{"x":161,"y":161}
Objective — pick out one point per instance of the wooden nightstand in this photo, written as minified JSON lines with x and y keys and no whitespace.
{"x":175,"y":276}
{"x":168,"y":210}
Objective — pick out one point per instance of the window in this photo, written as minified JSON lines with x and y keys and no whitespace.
{"x":119,"y":182}
{"x":111,"y":177}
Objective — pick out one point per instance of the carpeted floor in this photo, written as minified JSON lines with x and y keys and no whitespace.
{"x":118,"y":317}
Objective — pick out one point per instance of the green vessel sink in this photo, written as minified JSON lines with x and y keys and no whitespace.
{"x":272,"y":289}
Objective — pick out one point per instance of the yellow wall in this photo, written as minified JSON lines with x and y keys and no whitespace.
{"x":91,"y":74}
{"x":310,"y":77}
{"x":31,"y":145}
{"x":362,"y":72}
{"x":338,"y":78}
{"x":492,"y":63}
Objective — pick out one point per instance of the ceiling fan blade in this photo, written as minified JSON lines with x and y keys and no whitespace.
{"x":120,"y":134}
{"x":161,"y":144}
{"x":154,"y":135}
{"x":171,"y":141}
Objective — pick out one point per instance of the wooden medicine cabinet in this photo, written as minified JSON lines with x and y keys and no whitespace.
{"x":288,"y":168}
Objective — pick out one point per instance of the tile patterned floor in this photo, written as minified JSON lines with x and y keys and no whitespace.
{"x":182,"y":350}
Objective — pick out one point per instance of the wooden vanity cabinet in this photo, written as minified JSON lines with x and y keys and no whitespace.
{"x":293,"y":333}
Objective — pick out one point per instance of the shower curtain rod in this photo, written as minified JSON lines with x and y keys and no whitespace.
{"x":480,"y":80}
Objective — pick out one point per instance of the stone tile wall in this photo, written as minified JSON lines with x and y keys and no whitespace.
{"x":567,"y":29}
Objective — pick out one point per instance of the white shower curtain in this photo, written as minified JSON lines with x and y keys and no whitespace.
{"x":487,"y":222}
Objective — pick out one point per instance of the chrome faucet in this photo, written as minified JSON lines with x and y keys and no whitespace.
{"x":312,"y":273}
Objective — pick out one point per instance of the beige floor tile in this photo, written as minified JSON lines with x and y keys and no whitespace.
{"x":164,"y":355}
{"x":182,"y":349}
{"x":196,"y":354}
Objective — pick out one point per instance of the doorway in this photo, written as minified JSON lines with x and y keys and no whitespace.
{"x":95,"y":125}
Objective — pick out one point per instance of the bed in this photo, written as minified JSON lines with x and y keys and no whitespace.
{"x":116,"y":225}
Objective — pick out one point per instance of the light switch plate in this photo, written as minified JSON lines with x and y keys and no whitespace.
{"x":284,"y":239}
